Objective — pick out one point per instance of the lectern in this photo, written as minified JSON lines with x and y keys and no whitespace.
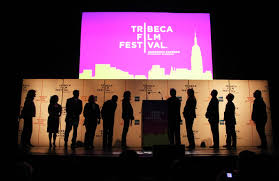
{"x":154,"y":123}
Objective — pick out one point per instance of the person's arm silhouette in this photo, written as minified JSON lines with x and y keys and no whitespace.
{"x":98,"y":115}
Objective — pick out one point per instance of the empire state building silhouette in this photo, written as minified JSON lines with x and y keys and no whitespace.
{"x":196,"y":58}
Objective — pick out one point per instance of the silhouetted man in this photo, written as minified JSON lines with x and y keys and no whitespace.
{"x":259,"y":116}
{"x":108,"y":111}
{"x":229,"y":117}
{"x":27,"y":113}
{"x":127,"y":116}
{"x":212,"y":114}
{"x":92,"y":117}
{"x":189,"y":115}
{"x":73,"y":110}
{"x":174,"y":118}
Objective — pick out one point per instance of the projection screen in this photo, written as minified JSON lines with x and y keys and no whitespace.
{"x":145,"y":45}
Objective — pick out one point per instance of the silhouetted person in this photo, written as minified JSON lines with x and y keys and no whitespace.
{"x":73,"y":110}
{"x":127,"y":116}
{"x":108,"y":111}
{"x":189,"y":114}
{"x":129,"y":161}
{"x":54,"y":111}
{"x":229,"y":117}
{"x":92,"y":117}
{"x":259,"y":116}
{"x":27,"y":113}
{"x":212,"y":114}
{"x":174,"y":118}
{"x":248,"y":165}
{"x":257,"y":166}
{"x":24,"y":170}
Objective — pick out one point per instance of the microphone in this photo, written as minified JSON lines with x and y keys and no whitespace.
{"x":161,"y":95}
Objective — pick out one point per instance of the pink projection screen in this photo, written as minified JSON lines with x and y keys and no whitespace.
{"x":145,"y":45}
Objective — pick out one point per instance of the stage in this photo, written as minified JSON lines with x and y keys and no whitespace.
{"x":115,"y":152}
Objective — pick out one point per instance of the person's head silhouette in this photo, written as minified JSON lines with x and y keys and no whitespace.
{"x":53,"y":99}
{"x":173,"y":92}
{"x":257,"y":94}
{"x":190,"y":92}
{"x":214,"y":93}
{"x":127,"y":95}
{"x":31,"y":94}
{"x":91,"y":99}
{"x":230,"y":97}
{"x":114,"y":98}
{"x":76,"y":93}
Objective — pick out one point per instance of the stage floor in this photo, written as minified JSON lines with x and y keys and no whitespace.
{"x":115,"y":152}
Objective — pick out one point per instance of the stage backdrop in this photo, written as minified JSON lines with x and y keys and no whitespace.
{"x":148,"y":90}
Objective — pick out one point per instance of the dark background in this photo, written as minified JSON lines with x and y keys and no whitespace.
{"x":243,"y":39}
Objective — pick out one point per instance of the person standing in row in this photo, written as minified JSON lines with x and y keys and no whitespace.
{"x":108,"y":111}
{"x":54,"y":111}
{"x":27,"y":113}
{"x":212,"y":114}
{"x":127,"y":116}
{"x":229,"y":117}
{"x":92,"y":117}
{"x":259,"y":116}
{"x":189,"y":114}
{"x":73,"y":110}
{"x":174,"y":118}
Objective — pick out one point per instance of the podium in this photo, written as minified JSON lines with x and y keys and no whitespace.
{"x":154,"y":123}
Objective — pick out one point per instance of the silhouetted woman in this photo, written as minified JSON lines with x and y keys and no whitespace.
{"x":189,"y":115}
{"x":229,"y":117}
{"x":54,"y":111}
{"x":27,"y":113}
{"x":259,"y":116}
{"x":92,"y":117}
{"x":127,"y":116}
